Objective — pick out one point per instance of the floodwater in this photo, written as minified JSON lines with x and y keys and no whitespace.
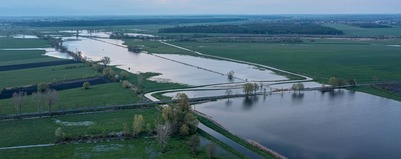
{"x":21,"y":36}
{"x":48,"y":52}
{"x":342,"y":124}
{"x":174,"y":68}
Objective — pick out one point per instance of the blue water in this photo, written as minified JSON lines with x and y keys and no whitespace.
{"x":343,"y":124}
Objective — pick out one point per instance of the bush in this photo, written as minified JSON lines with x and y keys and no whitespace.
{"x":109,"y":73}
{"x":126,"y":84}
{"x":124,"y":75}
{"x":42,"y":87}
{"x":86,"y":85}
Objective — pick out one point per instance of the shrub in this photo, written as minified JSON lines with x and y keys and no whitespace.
{"x":86,"y":85}
{"x":126,"y":84}
{"x":42,"y":87}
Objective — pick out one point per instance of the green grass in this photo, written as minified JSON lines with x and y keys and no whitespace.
{"x":6,"y":43}
{"x":379,"y":92}
{"x":33,"y":76}
{"x":97,"y":95}
{"x":42,"y":131}
{"x":155,"y":47}
{"x":14,"y":57}
{"x":148,"y":85}
{"x":357,"y":31}
{"x":362,"y":61}
{"x":240,"y":141}
{"x":137,"y":148}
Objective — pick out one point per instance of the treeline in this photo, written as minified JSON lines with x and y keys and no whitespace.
{"x":257,"y":28}
{"x":371,"y":25}
{"x":113,"y":22}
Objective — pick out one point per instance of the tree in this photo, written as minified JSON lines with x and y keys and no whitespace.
{"x":109,"y":73}
{"x":337,"y":82}
{"x":230,"y":75}
{"x":51,"y":99}
{"x":42,"y":87}
{"x":18,"y":100}
{"x":255,"y":87}
{"x":105,"y":61}
{"x":137,"y":125}
{"x":126,"y":84}
{"x":86,"y":85}
{"x":97,"y":67}
{"x":180,"y":116}
{"x":229,"y":92}
{"x":298,"y":87}
{"x":194,"y":143}
{"x":149,"y":129}
{"x":124,"y":75}
{"x":163,"y":133}
{"x":301,"y":86}
{"x":134,"y":49}
{"x":37,"y":100}
{"x":333,"y":81}
{"x":248,"y":88}
{"x":125,"y":129}
{"x":59,"y":132}
{"x":211,"y":150}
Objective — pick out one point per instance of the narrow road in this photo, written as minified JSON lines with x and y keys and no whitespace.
{"x":239,"y":61}
{"x":26,"y":146}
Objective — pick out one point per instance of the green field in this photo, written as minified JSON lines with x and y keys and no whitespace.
{"x":41,"y":131}
{"x":6,"y":43}
{"x":15,"y":57}
{"x":137,"y":148}
{"x":357,"y":31}
{"x":154,"y":47}
{"x":50,"y":74}
{"x":97,"y":95}
{"x":321,"y":59}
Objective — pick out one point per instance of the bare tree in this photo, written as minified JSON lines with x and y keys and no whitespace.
{"x":230,"y":75}
{"x":18,"y":100}
{"x":51,"y":99}
{"x":37,"y":100}
{"x":211,"y":150}
{"x":163,"y":133}
{"x":229,"y":92}
{"x":105,"y":61}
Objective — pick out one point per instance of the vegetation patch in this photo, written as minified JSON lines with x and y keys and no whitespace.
{"x":257,"y":28}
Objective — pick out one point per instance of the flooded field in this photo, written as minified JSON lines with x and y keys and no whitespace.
{"x":342,"y":124}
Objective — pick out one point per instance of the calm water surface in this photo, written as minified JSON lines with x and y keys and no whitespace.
{"x":343,"y":124}
{"x":171,"y":71}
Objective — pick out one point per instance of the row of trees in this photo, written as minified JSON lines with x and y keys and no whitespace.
{"x":43,"y":96}
{"x":257,"y":28}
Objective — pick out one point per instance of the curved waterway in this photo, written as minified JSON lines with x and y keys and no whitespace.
{"x":342,"y":124}
{"x":184,"y":69}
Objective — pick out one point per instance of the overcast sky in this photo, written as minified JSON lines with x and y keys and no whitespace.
{"x":194,"y":7}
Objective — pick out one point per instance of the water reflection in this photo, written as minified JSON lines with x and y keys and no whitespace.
{"x":176,"y":68}
{"x":249,"y":101}
{"x":338,"y":124}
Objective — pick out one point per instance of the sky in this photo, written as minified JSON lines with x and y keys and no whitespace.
{"x":194,"y":7}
